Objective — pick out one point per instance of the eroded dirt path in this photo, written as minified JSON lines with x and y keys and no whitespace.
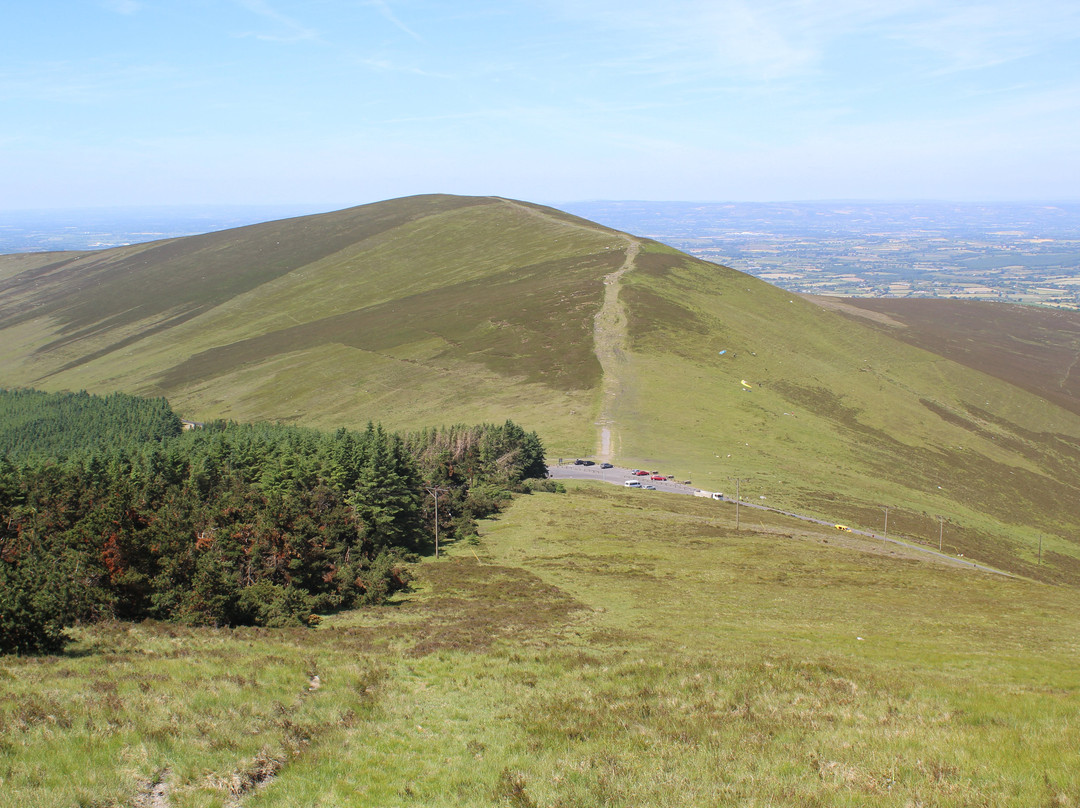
{"x":155,"y":793}
{"x":610,"y":338}
{"x":611,"y":343}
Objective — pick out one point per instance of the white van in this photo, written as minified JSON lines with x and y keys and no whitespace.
{"x":632,"y":484}
{"x":718,"y":495}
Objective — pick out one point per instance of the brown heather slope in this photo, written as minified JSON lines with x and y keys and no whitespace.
{"x":1033,"y":347}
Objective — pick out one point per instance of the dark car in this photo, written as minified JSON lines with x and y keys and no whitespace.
{"x":587,"y":463}
{"x":606,"y":466}
{"x":579,"y":462}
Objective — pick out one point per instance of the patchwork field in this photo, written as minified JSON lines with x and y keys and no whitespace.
{"x":602,"y":647}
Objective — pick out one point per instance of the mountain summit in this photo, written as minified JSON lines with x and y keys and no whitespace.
{"x":421,"y":307}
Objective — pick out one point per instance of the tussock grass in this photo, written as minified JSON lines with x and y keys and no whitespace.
{"x":210,"y":714}
{"x":593,"y":649}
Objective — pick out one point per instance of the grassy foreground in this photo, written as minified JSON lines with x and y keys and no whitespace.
{"x":599,"y":648}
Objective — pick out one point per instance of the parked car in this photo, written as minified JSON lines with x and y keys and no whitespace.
{"x":642,"y":473}
{"x":658,"y":477}
{"x":587,"y":463}
{"x":606,"y":466}
{"x":632,"y":484}
{"x":579,"y":462}
{"x":843,"y":527}
{"x":647,"y":487}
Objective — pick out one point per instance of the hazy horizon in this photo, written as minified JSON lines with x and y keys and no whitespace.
{"x":1021,"y":251}
{"x":287,"y":209}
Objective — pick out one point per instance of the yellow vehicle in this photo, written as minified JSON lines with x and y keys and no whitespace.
{"x":842,"y":527}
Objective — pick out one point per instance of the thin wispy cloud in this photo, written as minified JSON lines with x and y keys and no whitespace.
{"x":289,"y":29}
{"x":81,"y":83}
{"x":388,"y":66}
{"x":732,"y":37}
{"x":472,"y":115}
{"x":780,"y":40}
{"x":388,"y":14}
{"x":122,"y":6}
{"x":978,"y":36}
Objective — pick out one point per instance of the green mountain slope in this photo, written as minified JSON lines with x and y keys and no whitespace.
{"x":444,"y":309}
{"x":843,"y":420}
{"x":421,"y":310}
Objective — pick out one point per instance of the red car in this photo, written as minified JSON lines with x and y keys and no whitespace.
{"x":642,"y":473}
{"x":658,"y":477}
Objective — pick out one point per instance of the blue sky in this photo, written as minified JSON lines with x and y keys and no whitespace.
{"x":341,"y":102}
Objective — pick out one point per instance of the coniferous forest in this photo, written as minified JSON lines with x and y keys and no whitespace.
{"x":111,"y":511}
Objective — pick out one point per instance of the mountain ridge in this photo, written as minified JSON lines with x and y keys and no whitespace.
{"x":442,"y":309}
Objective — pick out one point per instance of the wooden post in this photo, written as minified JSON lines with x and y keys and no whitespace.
{"x":435,"y":491}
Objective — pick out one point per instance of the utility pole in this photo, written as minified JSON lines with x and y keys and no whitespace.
{"x":738,"y":498}
{"x":886,"y":539}
{"x":941,"y":531}
{"x":1040,"y":549}
{"x":435,"y":491}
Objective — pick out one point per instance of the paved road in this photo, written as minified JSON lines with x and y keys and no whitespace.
{"x":617,"y":475}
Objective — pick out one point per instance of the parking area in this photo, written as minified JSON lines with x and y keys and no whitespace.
{"x":617,"y":475}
